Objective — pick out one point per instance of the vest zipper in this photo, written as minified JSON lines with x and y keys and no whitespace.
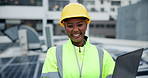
{"x":79,"y":49}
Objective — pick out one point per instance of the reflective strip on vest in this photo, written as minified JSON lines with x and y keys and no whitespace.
{"x":100,"y":54}
{"x":59,"y":59}
{"x":50,"y":75}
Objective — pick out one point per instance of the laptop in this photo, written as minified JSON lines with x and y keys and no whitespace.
{"x":126,"y":65}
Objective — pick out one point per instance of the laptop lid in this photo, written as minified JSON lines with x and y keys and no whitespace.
{"x":126,"y":65}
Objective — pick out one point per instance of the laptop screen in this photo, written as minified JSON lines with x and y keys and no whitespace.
{"x":127,"y":64}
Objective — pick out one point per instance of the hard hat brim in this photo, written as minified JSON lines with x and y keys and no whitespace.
{"x":62,"y":23}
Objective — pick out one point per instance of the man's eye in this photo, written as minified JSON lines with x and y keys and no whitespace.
{"x":80,"y":25}
{"x":70,"y":26}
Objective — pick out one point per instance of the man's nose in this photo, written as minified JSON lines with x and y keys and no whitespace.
{"x":75,"y":28}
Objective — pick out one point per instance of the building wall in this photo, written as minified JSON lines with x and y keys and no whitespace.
{"x":105,"y":29}
{"x":132,"y":22}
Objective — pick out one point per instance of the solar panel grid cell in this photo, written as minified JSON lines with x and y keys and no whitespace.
{"x":19,"y":67}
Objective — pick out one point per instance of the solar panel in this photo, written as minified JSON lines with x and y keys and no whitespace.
{"x":26,"y":66}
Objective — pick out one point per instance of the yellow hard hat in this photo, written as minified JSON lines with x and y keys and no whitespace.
{"x":74,"y":10}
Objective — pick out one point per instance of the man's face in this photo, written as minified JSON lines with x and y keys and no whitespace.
{"x":75,"y":29}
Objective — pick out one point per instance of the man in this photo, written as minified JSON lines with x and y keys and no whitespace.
{"x":78,"y":58}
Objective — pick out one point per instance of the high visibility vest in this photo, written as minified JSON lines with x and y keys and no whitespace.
{"x":61,"y":62}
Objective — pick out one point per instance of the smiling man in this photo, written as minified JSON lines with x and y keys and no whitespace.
{"x":75,"y":29}
{"x":78,"y":58}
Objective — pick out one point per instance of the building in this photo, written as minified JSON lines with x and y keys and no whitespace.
{"x":39,"y":13}
{"x":133,"y":22}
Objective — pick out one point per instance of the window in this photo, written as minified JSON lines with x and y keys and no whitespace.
{"x":89,"y":4}
{"x":112,"y":9}
{"x":21,"y":2}
{"x":99,"y":25}
{"x":80,"y":1}
{"x":115,"y":3}
{"x":110,"y":26}
{"x":57,"y":5}
{"x":91,"y":25}
{"x":130,"y":2}
{"x":102,"y":10}
{"x":101,"y":2}
{"x":111,"y":18}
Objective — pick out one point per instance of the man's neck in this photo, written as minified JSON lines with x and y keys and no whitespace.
{"x":78,"y":44}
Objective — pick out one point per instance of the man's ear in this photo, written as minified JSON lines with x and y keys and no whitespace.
{"x":86,"y":26}
{"x":86,"y":20}
{"x":63,"y":23}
